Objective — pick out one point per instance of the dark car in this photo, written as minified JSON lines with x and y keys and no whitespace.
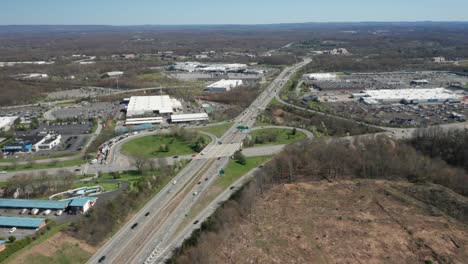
{"x":175,"y":157}
{"x":199,"y":182}
{"x":196,"y":222}
{"x":232,"y":187}
{"x":147,"y":213}
{"x":101,"y":259}
{"x":206,"y":179}
{"x":134,"y":225}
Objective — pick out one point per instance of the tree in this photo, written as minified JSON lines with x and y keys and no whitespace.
{"x":240,"y":158}
{"x":293,"y":132}
{"x":12,"y":239}
{"x":139,"y":162}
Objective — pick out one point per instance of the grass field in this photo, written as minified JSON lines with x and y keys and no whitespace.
{"x":67,"y":253}
{"x":234,"y":170}
{"x":283,"y":136}
{"x":149,"y":146}
{"x":216,"y":130}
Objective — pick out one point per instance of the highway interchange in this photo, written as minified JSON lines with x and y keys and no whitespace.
{"x":155,"y":231}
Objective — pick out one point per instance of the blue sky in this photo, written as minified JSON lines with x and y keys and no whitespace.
{"x":138,"y":12}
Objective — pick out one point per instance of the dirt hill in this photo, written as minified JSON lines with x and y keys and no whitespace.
{"x":359,"y":221}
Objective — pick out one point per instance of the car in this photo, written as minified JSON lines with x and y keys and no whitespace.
{"x":196,"y":222}
{"x":199,"y":182}
{"x":3,"y":172}
{"x":232,"y":187}
{"x":175,"y":157}
{"x":77,"y":169}
{"x":206,"y":179}
{"x":174,"y":182}
{"x":218,"y":158}
{"x":147,"y":213}
{"x":23,"y":211}
{"x":195,"y":193}
{"x":59,"y":213}
{"x":12,"y":230}
{"x":134,"y":226}
{"x":101,"y":259}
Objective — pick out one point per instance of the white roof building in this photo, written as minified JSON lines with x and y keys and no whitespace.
{"x":6,"y":122}
{"x":112,"y":74}
{"x":320,"y":76}
{"x":421,"y":95}
{"x":224,"y":85}
{"x":150,"y":105}
{"x":189,"y":117}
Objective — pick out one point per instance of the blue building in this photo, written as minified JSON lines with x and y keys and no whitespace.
{"x":17,"y":146}
{"x":22,"y":222}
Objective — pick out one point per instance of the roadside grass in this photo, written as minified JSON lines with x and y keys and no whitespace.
{"x":67,"y":253}
{"x":218,"y":130}
{"x":283,"y":136}
{"x":39,"y":157}
{"x":149,"y":146}
{"x":154,"y":75}
{"x":234,"y":170}
{"x":39,"y":166}
{"x":48,"y":234}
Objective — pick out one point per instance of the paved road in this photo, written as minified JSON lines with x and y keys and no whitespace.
{"x":166,"y":209}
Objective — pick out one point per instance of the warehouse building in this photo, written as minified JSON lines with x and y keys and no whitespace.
{"x":32,"y":204}
{"x":112,"y":74}
{"x":223,"y":85}
{"x":189,"y":117}
{"x":143,"y":120}
{"x":320,"y":76}
{"x":413,"y":95}
{"x":22,"y":222}
{"x":152,"y":105}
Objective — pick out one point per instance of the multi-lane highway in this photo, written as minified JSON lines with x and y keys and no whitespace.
{"x":154,"y":227}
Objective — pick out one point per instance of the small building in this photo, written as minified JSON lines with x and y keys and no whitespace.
{"x":81,"y":204}
{"x":112,"y":74}
{"x":419,"y":82}
{"x":438,"y":59}
{"x":22,"y":222}
{"x":2,"y":245}
{"x":223,"y":85}
{"x":320,"y":76}
{"x":189,"y":117}
{"x":49,"y":142}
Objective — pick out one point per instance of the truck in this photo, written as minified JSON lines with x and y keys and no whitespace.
{"x":47,"y":212}
{"x":59,"y":212}
{"x":34,"y":211}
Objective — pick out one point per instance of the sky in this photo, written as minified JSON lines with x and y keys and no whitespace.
{"x":177,"y":12}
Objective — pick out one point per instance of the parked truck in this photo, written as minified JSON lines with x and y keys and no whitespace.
{"x":34,"y":211}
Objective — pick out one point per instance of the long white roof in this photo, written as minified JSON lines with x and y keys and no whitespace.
{"x":189,"y":117}
{"x":412,"y":94}
{"x":139,"y":105}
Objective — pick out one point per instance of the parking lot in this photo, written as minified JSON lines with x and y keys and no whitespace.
{"x":400,"y":115}
{"x":87,"y":110}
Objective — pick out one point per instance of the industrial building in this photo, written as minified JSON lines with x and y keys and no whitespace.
{"x":112,"y":74}
{"x":200,"y":67}
{"x":6,"y":122}
{"x":33,"y":143}
{"x":22,"y":222}
{"x":320,"y":76}
{"x":79,"y":204}
{"x":143,"y":120}
{"x":140,"y":106}
{"x":223,"y":85}
{"x":189,"y":117}
{"x":412,"y":95}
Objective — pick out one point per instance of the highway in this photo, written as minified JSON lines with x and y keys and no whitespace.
{"x":167,"y":209}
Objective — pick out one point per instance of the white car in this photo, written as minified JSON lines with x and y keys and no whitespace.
{"x":23,"y":211}
{"x":174,"y":182}
{"x":12,"y":230}
{"x":59,"y":212}
{"x":3,"y":172}
{"x":47,"y":212}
